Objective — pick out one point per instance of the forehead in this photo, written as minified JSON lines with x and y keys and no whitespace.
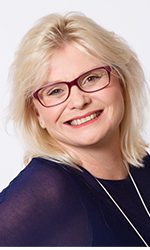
{"x":68,"y":63}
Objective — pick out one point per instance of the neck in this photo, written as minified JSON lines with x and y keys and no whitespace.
{"x":102,"y":161}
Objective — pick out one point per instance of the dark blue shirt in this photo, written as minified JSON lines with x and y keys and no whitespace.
{"x":49,"y":204}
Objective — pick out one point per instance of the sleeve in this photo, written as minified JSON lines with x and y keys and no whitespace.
{"x":41,"y":207}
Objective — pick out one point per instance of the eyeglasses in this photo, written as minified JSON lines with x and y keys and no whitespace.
{"x":56,"y":93}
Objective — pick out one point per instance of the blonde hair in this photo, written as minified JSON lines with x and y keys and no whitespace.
{"x":30,"y":69}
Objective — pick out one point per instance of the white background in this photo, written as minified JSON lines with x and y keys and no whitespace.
{"x":128,"y":18}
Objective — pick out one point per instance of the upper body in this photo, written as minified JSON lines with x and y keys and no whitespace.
{"x":77,"y":97}
{"x":49,"y":204}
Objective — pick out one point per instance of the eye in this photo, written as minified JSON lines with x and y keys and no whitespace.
{"x":54,"y":92}
{"x":92,"y":78}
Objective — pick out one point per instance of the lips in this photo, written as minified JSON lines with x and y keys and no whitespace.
{"x":77,"y":122}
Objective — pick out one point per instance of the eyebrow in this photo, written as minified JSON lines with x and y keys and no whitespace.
{"x":61,"y":81}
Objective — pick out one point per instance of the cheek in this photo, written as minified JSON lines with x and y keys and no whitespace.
{"x":112,"y":95}
{"x":117,"y":105}
{"x":51,"y":116}
{"x":117,"y":98}
{"x":45,"y":116}
{"x":113,"y":101}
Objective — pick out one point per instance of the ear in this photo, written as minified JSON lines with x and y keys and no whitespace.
{"x":40,"y":119}
{"x":42,"y":123}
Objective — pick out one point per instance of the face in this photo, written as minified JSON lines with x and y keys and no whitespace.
{"x":84,"y":119}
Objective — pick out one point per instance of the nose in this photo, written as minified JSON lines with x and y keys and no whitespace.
{"x":78,"y":99}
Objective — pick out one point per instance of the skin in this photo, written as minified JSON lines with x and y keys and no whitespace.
{"x":96,"y":143}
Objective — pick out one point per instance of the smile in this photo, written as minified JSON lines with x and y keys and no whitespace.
{"x":85,"y":119}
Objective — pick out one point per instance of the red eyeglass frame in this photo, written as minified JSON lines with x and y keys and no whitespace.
{"x":73,"y":83}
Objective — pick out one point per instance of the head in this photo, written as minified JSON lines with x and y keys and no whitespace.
{"x":32,"y":66}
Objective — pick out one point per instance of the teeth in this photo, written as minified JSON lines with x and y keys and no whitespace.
{"x":86,"y":119}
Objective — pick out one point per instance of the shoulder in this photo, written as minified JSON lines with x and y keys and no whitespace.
{"x":146,"y":165}
{"x":142,"y":174}
{"x":146,"y":169}
{"x":45,"y":178}
{"x":47,"y":185}
{"x":146,"y":161}
{"x":44,"y":201}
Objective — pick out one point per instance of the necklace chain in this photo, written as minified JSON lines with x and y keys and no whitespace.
{"x":116,"y":204}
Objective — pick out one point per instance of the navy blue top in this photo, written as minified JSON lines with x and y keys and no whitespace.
{"x":48,"y":204}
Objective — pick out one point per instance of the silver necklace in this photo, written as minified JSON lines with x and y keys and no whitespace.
{"x":116,"y":204}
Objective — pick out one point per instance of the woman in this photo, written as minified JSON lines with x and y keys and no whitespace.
{"x":78,"y":103}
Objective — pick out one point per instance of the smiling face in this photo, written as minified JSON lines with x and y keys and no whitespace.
{"x":84,"y":119}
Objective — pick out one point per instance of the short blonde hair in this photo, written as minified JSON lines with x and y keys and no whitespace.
{"x":30,"y":69}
